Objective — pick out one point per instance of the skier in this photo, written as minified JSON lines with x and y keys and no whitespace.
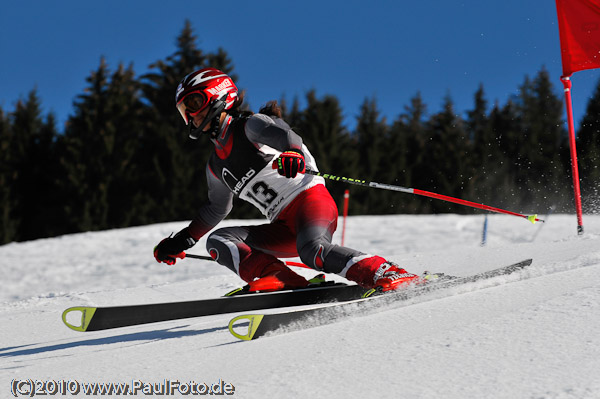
{"x":259,"y":158}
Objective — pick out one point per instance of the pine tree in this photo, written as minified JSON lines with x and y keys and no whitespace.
{"x":485,"y":158}
{"x":32,"y":198}
{"x":9,"y":223}
{"x":101,"y":143}
{"x":543,"y":178}
{"x":376,"y":163}
{"x":448,"y":157}
{"x":409,"y":135}
{"x":507,"y":139}
{"x":478,"y":128}
{"x":398,"y":169}
{"x":320,"y":126}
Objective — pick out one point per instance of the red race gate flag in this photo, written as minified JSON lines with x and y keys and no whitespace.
{"x":579,"y":27}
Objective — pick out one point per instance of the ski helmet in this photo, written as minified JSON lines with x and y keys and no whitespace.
{"x":202,"y":89}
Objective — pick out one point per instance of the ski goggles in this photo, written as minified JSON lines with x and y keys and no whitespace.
{"x":191,"y":105}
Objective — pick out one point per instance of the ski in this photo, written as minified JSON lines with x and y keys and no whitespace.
{"x":261,"y":324}
{"x":103,"y":318}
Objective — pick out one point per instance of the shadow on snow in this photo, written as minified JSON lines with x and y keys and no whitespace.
{"x":138,"y":336}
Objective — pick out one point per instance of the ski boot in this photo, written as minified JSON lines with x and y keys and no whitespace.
{"x":380,"y":275}
{"x":274,"y":277}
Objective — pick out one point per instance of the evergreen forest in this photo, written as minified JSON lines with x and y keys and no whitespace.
{"x":123,"y":157}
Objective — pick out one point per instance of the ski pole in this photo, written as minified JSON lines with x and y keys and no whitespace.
{"x":203,"y":257}
{"x":358,"y":182}
{"x":206,"y":257}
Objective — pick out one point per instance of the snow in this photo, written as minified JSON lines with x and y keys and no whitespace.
{"x":530,"y":335}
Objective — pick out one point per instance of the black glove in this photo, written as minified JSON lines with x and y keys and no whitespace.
{"x":171,"y":248}
{"x":290,"y":163}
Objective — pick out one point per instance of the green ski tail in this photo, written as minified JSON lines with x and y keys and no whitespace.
{"x":254,"y":322}
{"x":87,"y":313}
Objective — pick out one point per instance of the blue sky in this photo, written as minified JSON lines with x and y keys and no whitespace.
{"x":279,"y":48}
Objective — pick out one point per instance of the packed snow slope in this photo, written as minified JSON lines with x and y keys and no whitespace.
{"x":531,"y":335}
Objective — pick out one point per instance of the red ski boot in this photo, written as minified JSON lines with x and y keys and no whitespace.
{"x":275,"y":277}
{"x":377,"y":273}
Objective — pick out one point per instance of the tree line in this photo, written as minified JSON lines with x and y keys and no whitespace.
{"x":123,"y":158}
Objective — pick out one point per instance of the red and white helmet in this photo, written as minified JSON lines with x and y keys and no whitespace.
{"x":205,"y":88}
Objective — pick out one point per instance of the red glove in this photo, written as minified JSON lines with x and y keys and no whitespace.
{"x":290,"y":163}
{"x":171,"y":248}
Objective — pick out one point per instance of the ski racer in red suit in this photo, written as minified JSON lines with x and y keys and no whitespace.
{"x":260,"y":159}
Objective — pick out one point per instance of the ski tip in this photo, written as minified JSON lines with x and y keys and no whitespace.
{"x":254,"y":321}
{"x":522,"y":264}
{"x":86,"y":317}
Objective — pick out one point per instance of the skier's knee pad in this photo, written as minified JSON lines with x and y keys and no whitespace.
{"x":317,"y":251}
{"x":224,"y":244}
{"x":313,"y":252}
